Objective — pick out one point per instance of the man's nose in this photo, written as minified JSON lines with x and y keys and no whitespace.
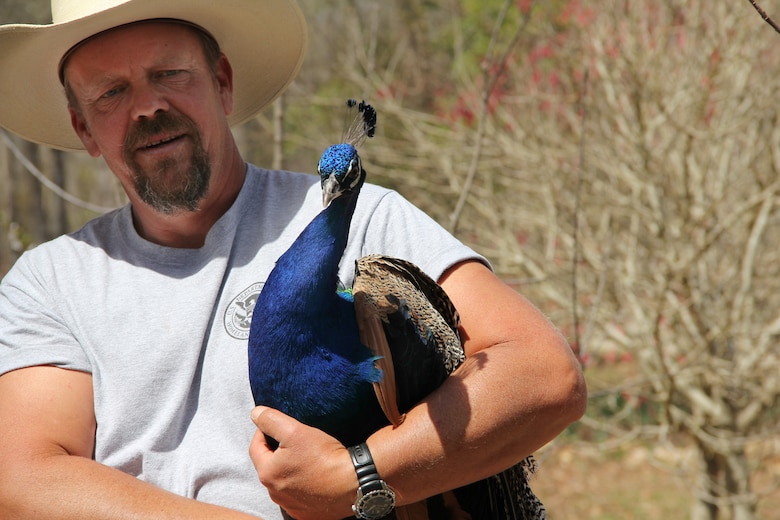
{"x":148,"y":101}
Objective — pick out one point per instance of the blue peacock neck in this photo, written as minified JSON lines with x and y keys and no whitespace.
{"x":318,"y":249}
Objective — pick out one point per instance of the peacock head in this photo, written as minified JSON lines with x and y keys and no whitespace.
{"x":340,"y":171}
{"x":339,"y":167}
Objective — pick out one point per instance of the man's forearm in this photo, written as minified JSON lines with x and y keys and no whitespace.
{"x":68,"y":487}
{"x":497,"y":427}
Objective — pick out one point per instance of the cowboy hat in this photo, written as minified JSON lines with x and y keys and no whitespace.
{"x":265,"y":41}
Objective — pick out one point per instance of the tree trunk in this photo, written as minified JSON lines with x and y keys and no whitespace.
{"x":278,"y":157}
{"x":5,"y":208}
{"x":724,"y":491}
{"x":61,"y":210}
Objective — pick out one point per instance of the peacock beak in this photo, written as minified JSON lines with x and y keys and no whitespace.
{"x":331,"y":189}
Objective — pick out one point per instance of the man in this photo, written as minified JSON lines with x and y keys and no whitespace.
{"x":124,"y":390}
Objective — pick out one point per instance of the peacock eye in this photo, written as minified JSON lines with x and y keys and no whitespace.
{"x":353,"y":173}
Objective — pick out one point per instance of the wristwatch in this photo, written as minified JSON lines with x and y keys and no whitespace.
{"x":375,"y":499}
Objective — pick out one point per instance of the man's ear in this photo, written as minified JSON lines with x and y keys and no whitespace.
{"x":224,"y":79}
{"x":82,"y":130}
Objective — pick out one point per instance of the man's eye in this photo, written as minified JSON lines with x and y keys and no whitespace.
{"x":110,"y":93}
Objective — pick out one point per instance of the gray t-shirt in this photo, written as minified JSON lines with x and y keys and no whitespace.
{"x":163,"y":331}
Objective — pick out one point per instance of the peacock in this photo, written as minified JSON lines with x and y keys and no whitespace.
{"x":352,"y":360}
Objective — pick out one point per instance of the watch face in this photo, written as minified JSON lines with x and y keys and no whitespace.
{"x":376,"y":504}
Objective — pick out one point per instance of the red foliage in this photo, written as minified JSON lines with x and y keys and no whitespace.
{"x":575,"y":13}
{"x":524,"y":6}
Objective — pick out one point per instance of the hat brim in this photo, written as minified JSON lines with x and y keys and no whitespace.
{"x":265,"y":42}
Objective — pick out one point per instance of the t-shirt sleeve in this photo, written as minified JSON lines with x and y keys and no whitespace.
{"x":31,"y":332}
{"x":397,"y":228}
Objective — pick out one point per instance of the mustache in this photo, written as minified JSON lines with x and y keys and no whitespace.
{"x":144,"y":130}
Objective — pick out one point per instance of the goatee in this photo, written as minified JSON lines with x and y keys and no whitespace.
{"x":174,"y":184}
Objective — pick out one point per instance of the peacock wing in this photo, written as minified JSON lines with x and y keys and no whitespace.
{"x":419,"y":322}
{"x":407,"y":318}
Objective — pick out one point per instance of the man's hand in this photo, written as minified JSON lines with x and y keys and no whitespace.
{"x":310,"y":475}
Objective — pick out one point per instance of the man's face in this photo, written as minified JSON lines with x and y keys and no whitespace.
{"x":149,"y":103}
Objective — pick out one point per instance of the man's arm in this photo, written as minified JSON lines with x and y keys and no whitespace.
{"x":519,"y":387}
{"x":47,"y":431}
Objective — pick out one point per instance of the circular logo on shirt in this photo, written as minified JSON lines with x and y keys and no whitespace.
{"x":238,"y":315}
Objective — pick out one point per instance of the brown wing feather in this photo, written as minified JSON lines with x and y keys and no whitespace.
{"x":373,"y":336}
{"x":378,"y":276}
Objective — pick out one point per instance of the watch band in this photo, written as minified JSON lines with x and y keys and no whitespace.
{"x":375,"y":499}
{"x":367,"y":474}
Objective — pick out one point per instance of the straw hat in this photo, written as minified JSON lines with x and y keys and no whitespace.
{"x":265,"y":41}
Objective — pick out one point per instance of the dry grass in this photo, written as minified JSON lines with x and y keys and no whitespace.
{"x":581,"y":482}
{"x":637,"y":479}
{"x":577,"y":481}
